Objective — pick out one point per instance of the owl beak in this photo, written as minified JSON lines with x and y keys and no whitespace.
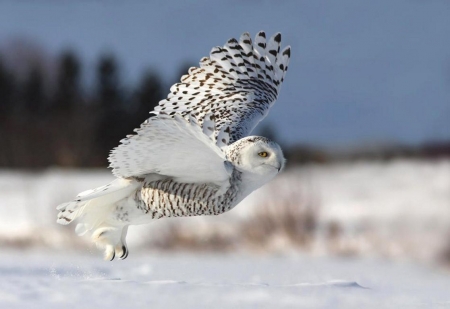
{"x":278,"y":168}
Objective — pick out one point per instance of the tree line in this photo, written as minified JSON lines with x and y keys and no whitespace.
{"x":70,"y":124}
{"x":75,"y":124}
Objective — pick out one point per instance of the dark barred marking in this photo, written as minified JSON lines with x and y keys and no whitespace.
{"x":187,"y":199}
{"x":240,"y":71}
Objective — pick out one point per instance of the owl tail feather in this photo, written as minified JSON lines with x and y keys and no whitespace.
{"x":94,"y":208}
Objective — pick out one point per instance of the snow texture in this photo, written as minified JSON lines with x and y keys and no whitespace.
{"x":403,"y":199}
{"x":397,"y":209}
{"x":49,"y":280}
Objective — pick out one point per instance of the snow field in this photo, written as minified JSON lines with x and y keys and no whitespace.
{"x":45,"y":279}
{"x":371,"y":227}
{"x":399,"y":209}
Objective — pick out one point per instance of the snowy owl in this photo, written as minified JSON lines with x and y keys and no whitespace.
{"x":194,"y":156}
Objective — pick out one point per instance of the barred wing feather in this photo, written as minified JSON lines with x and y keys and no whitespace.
{"x":237,"y":83}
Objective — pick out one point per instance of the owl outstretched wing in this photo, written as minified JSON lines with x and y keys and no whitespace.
{"x":238,"y":84}
{"x":174,"y":147}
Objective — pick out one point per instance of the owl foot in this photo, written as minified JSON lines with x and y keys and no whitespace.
{"x":124,"y":254}
{"x":120,"y":251}
{"x":113,"y":240}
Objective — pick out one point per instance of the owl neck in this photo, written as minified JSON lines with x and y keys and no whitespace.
{"x":250,"y":182}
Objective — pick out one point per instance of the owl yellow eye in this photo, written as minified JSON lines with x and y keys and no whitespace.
{"x":263,"y":154}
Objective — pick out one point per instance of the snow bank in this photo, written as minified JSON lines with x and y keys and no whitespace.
{"x":397,"y":209}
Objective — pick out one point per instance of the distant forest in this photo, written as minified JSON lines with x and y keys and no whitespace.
{"x":68,"y":123}
{"x":52,"y":118}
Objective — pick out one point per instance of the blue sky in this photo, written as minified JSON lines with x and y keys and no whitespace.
{"x":361,"y":71}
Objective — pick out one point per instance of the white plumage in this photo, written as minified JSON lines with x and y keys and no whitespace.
{"x":174,"y":145}
{"x":194,"y":157}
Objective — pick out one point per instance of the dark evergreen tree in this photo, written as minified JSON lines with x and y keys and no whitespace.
{"x":148,"y":95}
{"x":114,"y":119}
{"x":33,"y":93}
{"x":6,"y":105}
{"x":108,"y":87}
{"x":67,"y":94}
{"x":7,"y":89}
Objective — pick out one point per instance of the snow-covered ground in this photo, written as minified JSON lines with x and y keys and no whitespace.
{"x":397,"y":208}
{"x":375,"y":224}
{"x":52,"y":280}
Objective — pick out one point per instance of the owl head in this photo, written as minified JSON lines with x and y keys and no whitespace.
{"x":257,"y":156}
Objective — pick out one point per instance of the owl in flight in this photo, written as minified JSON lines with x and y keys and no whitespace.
{"x":194,"y":156}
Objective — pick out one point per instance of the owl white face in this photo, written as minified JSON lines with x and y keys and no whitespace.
{"x":257,"y":155}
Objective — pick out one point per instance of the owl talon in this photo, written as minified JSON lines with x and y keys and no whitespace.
{"x":124,"y":253}
{"x":113,"y":256}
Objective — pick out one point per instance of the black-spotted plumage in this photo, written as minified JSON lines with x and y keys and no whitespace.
{"x":238,"y":84}
{"x":195,"y":156}
{"x":168,"y":198}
